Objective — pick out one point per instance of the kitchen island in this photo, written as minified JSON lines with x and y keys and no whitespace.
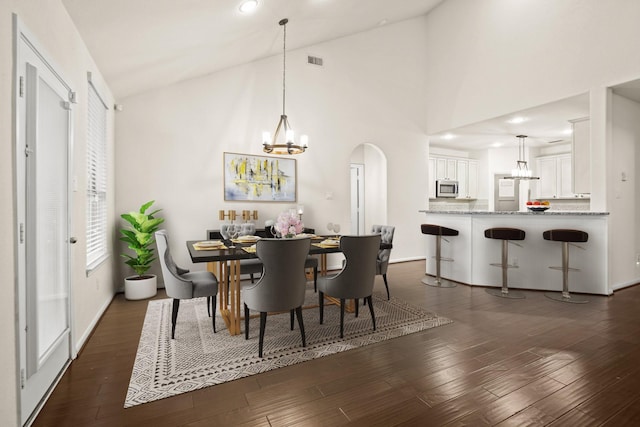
{"x":473,"y":253}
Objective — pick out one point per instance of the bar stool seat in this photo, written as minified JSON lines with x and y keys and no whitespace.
{"x":438,"y":231}
{"x":506,"y":235}
{"x":565,"y":236}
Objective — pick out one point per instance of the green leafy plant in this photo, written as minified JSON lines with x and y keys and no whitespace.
{"x":139,"y":238}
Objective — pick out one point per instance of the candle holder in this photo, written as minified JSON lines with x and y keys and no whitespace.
{"x":229,"y":214}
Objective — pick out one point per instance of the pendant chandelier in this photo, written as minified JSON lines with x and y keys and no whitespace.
{"x":288,"y":146}
{"x":522,"y":170}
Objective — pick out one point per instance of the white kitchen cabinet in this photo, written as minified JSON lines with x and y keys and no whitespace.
{"x":555,"y":176}
{"x":445,"y":168}
{"x":467,"y":176}
{"x":472,"y":184}
{"x":462,"y":176}
{"x":432,"y":178}
{"x":581,"y":150}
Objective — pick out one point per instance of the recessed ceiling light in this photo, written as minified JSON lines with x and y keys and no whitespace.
{"x":516,"y":120}
{"x":248,"y":6}
{"x":567,"y":131}
{"x":448,"y":136}
{"x":496,"y":144}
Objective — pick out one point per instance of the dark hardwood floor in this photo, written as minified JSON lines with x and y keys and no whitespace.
{"x":502,"y":362}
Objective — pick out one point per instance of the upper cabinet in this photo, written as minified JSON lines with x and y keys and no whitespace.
{"x":581,"y":150}
{"x":465,"y":171}
{"x":555,"y":176}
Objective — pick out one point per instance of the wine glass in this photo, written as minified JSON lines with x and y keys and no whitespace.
{"x":224,"y":231}
{"x":233,"y":231}
{"x":336,"y":229}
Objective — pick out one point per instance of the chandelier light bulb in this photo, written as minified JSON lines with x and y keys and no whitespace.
{"x":266,"y":137}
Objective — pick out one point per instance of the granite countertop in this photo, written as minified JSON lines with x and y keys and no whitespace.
{"x":547,"y":213}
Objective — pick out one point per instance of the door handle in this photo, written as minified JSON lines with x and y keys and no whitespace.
{"x":73,"y":240}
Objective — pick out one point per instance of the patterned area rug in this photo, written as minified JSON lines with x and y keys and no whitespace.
{"x":198,"y":358}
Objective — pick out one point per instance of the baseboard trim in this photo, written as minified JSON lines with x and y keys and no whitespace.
{"x":87,"y":333}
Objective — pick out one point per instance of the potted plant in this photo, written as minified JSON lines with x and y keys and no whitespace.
{"x":139,"y":238}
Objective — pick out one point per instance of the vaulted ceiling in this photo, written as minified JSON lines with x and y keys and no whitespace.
{"x":143,"y":44}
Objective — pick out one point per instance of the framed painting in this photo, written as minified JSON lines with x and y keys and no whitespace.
{"x":259,"y":178}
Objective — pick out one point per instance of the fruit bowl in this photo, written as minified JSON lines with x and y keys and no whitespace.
{"x":538,"y":208}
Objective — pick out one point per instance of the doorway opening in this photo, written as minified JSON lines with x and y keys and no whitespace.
{"x":368,"y":171}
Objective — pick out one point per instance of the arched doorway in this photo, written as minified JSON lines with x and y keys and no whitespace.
{"x":368,"y":171}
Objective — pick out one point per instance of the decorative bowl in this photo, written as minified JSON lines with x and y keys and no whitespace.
{"x":538,"y":208}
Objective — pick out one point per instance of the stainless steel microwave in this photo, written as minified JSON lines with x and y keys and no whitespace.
{"x":446,"y":188}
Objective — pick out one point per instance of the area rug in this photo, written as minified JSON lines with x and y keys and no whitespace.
{"x":198,"y":358}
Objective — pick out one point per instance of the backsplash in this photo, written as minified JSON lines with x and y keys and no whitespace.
{"x":578,"y":204}
{"x":458,"y":205}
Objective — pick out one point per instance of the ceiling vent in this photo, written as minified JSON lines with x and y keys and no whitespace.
{"x":314,"y":60}
{"x":555,"y":141}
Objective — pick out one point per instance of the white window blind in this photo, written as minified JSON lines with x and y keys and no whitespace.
{"x":96,"y":180}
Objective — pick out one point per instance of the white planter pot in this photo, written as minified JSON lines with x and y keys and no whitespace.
{"x":136,"y":288}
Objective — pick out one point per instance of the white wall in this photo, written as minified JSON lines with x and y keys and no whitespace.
{"x":170,"y":141}
{"x":624,"y":221}
{"x":49,"y":22}
{"x":492,"y":57}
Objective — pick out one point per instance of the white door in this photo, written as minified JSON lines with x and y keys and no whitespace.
{"x":42,"y":164}
{"x":357,"y":199}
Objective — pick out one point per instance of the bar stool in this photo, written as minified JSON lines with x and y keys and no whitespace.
{"x":565,"y":236}
{"x":438,"y":231}
{"x":506,"y":235}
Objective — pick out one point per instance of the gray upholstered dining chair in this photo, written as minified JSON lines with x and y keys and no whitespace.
{"x":386,"y":233}
{"x":181,"y":284}
{"x":356,"y":278}
{"x":282,"y":284}
{"x":254,"y":266}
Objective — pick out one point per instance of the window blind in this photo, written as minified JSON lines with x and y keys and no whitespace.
{"x":96,"y":180}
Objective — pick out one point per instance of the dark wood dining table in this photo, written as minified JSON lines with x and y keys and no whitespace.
{"x":225,"y":264}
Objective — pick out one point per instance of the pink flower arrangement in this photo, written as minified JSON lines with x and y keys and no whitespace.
{"x":288,"y":224}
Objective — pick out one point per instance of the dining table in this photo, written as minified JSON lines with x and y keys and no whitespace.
{"x":223,"y":260}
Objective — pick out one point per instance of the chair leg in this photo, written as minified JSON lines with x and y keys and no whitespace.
{"x":263,"y":321}
{"x":341,"y":317}
{"x":386,"y":285}
{"x":174,"y":316}
{"x":356,"y":303}
{"x":251,"y":275}
{"x":301,"y":324}
{"x":291,"y":318}
{"x":209,"y":307}
{"x":315,"y":279}
{"x":213,"y":310}
{"x":246,"y":322}
{"x":373,"y":316}
{"x":321,"y":305}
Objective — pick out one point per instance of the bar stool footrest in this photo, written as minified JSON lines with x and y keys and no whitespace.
{"x":443,"y":259}
{"x":560,"y":268}
{"x":497,"y":292}
{"x":497,"y":264}
{"x":558,"y":296}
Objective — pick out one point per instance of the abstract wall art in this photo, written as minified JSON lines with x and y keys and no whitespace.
{"x":259,"y":178}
